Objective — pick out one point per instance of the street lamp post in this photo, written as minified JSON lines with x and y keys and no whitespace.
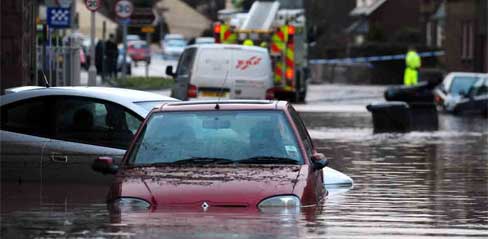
{"x":92,"y":70}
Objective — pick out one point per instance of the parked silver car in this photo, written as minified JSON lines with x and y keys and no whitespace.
{"x":49,"y":138}
{"x":462,"y":92}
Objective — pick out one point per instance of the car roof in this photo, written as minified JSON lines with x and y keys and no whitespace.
{"x":117,"y":95}
{"x":229,"y":46}
{"x":223,"y":105}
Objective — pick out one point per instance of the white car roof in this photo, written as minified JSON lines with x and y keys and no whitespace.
{"x":120,"y":96}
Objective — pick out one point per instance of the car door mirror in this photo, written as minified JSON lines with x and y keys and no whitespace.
{"x":105,"y":165}
{"x":169,"y":71}
{"x":319,"y":161}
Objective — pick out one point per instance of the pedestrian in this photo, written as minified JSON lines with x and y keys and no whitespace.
{"x":248,"y":42}
{"x":111,"y":56}
{"x":412,"y":63}
{"x":99,"y":57}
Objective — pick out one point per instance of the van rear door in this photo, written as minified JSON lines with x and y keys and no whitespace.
{"x":213,"y":66}
{"x":251,"y":73}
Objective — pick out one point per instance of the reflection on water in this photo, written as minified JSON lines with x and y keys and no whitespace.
{"x":415,"y":185}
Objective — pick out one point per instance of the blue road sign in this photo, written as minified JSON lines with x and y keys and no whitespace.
{"x":59,"y":17}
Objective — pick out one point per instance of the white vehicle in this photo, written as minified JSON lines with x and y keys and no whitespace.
{"x":49,"y":137}
{"x":223,"y":71}
{"x":454,"y":87}
{"x":204,"y":40}
{"x":133,"y":37}
{"x":173,"y":45}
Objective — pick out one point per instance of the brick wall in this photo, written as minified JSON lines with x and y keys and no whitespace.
{"x":17,"y":48}
{"x":459,"y":13}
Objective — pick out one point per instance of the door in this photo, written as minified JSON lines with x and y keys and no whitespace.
{"x":85,"y":129}
{"x":25,"y":131}
{"x":251,"y":74}
{"x":183,"y":74}
{"x":316,"y":179}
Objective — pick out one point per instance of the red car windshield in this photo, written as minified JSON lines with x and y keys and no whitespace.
{"x":217,"y":137}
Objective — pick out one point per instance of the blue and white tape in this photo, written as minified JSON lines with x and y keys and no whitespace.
{"x":373,"y":58}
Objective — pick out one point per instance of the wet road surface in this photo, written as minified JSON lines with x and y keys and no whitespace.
{"x":415,"y":185}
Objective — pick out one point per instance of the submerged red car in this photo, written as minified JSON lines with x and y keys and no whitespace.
{"x":239,"y":154}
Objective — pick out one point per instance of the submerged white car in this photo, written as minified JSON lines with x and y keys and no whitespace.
{"x":50,"y":136}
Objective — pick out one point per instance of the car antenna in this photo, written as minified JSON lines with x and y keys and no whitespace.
{"x":46,"y":83}
{"x":217,"y":106}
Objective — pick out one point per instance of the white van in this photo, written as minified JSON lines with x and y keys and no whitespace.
{"x":212,"y":71}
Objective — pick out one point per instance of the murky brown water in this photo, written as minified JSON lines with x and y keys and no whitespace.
{"x":416,"y":185}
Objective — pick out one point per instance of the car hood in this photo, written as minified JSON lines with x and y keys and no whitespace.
{"x":243,"y":185}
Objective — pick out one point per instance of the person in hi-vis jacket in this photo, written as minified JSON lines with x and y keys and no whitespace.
{"x":412,"y":63}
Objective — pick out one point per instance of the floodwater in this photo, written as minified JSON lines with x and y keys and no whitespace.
{"x":415,"y":185}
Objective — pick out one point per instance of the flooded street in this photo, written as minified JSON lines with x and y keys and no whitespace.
{"x":415,"y":185}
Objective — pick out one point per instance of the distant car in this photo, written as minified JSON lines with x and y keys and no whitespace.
{"x":133,"y":37}
{"x":455,"y":87}
{"x":204,"y":40}
{"x":139,"y":51}
{"x":173,"y":45}
{"x":219,"y":154}
{"x":50,"y":136}
{"x":128,"y":61}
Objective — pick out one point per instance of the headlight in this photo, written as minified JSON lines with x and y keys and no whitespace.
{"x":280,"y":201}
{"x":130,"y":204}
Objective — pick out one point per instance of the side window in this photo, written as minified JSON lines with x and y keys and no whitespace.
{"x":26,"y":117}
{"x":185,"y":63}
{"x":481,"y":87}
{"x":302,"y":130}
{"x":87,"y":121}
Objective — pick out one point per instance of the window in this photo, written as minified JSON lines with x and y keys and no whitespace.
{"x":467,"y":48}
{"x":87,"y":121}
{"x":233,"y":135}
{"x":186,"y":63}
{"x":462,"y":84}
{"x":26,"y":117}
{"x":302,"y":130}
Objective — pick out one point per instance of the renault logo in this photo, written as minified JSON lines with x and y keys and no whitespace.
{"x":205,"y":206}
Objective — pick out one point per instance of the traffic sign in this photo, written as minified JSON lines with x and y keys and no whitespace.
{"x":58,"y":17}
{"x":147,"y":29}
{"x":123,"y":8}
{"x":93,"y":5}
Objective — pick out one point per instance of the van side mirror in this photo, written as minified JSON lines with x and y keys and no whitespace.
{"x":319,"y":161}
{"x":105,"y":165}
{"x":169,"y":71}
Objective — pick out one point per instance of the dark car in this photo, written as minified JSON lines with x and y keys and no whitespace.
{"x":241,"y":154}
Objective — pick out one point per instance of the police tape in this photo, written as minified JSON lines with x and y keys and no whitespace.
{"x":373,"y":58}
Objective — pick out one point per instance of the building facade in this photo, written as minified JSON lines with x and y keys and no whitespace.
{"x":17,"y":43}
{"x":466,"y":39}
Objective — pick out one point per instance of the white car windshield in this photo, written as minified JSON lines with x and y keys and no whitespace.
{"x":462,"y":84}
{"x":217,"y":136}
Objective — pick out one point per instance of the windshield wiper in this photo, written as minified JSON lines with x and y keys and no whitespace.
{"x":204,"y":160}
{"x":268,"y":160}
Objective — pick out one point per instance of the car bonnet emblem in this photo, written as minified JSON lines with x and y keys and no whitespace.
{"x":205,"y":206}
